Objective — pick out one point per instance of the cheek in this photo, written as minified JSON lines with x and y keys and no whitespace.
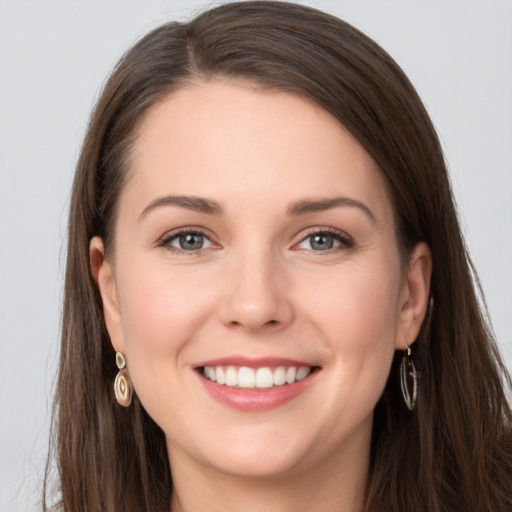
{"x":358,"y":316}
{"x":160,"y":314}
{"x":358,"y":304}
{"x":159,"y":309}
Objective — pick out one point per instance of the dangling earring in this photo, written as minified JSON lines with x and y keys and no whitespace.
{"x":408,"y":379}
{"x":122,"y":384}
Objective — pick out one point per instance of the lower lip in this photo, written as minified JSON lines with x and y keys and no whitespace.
{"x":255,"y":399}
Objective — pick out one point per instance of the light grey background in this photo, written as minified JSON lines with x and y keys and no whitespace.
{"x":54,"y":56}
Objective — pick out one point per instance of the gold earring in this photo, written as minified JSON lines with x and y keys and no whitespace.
{"x":122,"y":385}
{"x":408,"y":379}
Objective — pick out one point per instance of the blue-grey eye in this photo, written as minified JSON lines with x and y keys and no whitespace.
{"x":189,"y":241}
{"x":324,"y":241}
{"x":321,"y":242}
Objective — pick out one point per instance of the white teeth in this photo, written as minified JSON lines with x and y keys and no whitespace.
{"x":290,"y":375}
{"x":279,"y":376}
{"x":221,"y":376}
{"x":246,"y":377}
{"x":251,"y":378}
{"x":302,"y":372}
{"x":264,"y":378}
{"x":231,"y":377}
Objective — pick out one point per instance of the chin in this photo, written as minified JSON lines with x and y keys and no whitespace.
{"x":262,"y":465}
{"x":251,"y":454}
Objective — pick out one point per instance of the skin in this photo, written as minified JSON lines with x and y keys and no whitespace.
{"x":258,"y":288}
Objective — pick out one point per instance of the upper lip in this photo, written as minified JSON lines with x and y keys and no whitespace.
{"x":253,"y":362}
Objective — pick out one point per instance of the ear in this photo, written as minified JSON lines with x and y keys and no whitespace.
{"x":414,"y":298}
{"x":103,"y":273}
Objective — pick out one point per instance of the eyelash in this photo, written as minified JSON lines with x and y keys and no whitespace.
{"x":346,"y":242}
{"x":166,"y":240}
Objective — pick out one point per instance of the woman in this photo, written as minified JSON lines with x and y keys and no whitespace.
{"x":265,"y":265}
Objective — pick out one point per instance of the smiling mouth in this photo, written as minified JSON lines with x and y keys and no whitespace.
{"x":263,"y":378}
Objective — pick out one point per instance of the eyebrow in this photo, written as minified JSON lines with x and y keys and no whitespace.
{"x":319,"y":205}
{"x":196,"y":204}
{"x":302,"y":207}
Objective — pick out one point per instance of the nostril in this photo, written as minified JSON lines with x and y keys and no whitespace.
{"x":269,"y":323}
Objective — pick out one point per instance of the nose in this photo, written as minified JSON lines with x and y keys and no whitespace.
{"x":257,"y":296}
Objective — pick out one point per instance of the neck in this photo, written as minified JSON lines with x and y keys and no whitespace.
{"x":336,"y":485}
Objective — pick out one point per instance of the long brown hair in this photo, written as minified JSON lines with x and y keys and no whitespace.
{"x":454,"y":452}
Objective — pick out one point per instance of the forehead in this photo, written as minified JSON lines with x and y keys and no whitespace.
{"x":234,"y":140}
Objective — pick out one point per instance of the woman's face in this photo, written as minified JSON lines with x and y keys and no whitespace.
{"x":255,"y":237}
